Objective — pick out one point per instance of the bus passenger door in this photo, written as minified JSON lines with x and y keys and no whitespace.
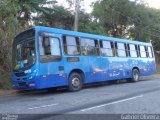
{"x":51,"y":61}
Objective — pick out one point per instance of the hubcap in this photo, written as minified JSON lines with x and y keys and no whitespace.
{"x":75,"y":82}
{"x":136,"y":75}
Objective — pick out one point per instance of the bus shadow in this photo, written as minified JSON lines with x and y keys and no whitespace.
{"x":49,"y":91}
{"x":106,"y":83}
{"x":61,"y":90}
{"x":115,"y":82}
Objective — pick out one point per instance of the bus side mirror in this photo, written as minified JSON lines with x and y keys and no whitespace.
{"x":45,"y":41}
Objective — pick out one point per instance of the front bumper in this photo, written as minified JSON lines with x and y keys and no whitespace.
{"x":25,"y":84}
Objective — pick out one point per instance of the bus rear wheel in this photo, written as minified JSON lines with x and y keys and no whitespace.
{"x":135,"y":75}
{"x":75,"y":82}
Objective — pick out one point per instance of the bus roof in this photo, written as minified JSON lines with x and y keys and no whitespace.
{"x":86,"y":35}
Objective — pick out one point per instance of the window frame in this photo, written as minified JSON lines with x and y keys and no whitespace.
{"x":96,"y":48}
{"x":116,"y":46}
{"x":101,"y":41}
{"x":137,"y":52}
{"x":151,"y":51}
{"x":143,"y":51}
{"x":78,"y":46}
{"x":49,"y":58}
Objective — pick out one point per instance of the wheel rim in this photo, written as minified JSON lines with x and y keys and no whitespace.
{"x":75,"y":82}
{"x":136,"y":75}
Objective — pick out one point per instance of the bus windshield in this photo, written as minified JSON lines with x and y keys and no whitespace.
{"x":24,"y":54}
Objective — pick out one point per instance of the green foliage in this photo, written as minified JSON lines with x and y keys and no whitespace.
{"x":86,"y":24}
{"x":5,"y":81}
{"x":128,"y":19}
{"x":114,"y":15}
{"x":15,"y":16}
{"x":57,"y":17}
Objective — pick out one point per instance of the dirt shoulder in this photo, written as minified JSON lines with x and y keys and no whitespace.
{"x":7,"y":92}
{"x":155,"y":76}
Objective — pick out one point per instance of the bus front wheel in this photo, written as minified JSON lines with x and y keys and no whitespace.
{"x":135,"y":75}
{"x":75,"y":82}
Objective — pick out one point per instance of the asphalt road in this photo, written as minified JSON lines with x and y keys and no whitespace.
{"x":142,"y":97}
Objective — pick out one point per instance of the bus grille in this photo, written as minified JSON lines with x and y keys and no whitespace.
{"x":21,"y":78}
{"x":20,"y":74}
{"x":22,"y":84}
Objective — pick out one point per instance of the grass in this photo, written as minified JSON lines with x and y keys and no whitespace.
{"x":158,"y":68}
{"x":157,"y":63}
{"x":5,"y":81}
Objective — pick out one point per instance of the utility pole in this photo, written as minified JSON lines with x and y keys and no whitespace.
{"x":77,"y":2}
{"x":1,"y":1}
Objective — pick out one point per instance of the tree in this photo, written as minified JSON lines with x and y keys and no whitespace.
{"x":26,"y":9}
{"x":90,"y":25}
{"x":127,"y":19}
{"x":58,"y":17}
{"x":15,"y":16}
{"x":77,"y":5}
{"x":113,"y":15}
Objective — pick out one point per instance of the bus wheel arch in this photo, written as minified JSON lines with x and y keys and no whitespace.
{"x":75,"y":80}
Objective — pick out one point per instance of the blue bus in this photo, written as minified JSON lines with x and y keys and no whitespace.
{"x":46,"y":57}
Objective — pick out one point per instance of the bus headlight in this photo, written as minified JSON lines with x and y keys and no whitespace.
{"x":33,"y":74}
{"x":27,"y":71}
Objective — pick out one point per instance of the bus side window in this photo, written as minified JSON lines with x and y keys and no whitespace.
{"x":46,"y":45}
{"x":100,"y":44}
{"x":112,"y":49}
{"x":105,"y":48}
{"x":121,"y":52}
{"x":64,"y":44}
{"x":78,"y":44}
{"x":71,"y":45}
{"x":146,"y":49}
{"x":97,"y":47}
{"x":133,"y":51}
{"x":150,"y":53}
{"x":49,"y":48}
{"x":138,"y":50}
{"x":89,"y":46}
{"x":142,"y":51}
{"x":115,"y":48}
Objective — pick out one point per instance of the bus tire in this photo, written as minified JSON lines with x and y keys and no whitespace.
{"x":75,"y":82}
{"x":135,"y":75}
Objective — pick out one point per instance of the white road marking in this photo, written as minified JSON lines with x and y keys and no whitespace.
{"x":111,"y":103}
{"x":43,"y":106}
